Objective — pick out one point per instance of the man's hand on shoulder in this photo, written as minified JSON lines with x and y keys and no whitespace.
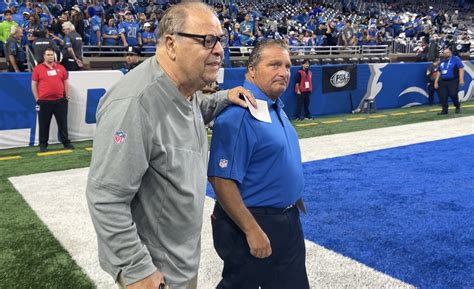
{"x":234,"y":96}
{"x":151,"y":282}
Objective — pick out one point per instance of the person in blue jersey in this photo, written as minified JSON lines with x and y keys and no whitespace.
{"x":95,"y":23}
{"x":234,"y":36}
{"x":449,"y":79}
{"x":130,"y":31}
{"x":256,"y":171}
{"x":148,"y":38}
{"x":16,"y":15}
{"x":110,"y":34}
{"x":246,"y":31}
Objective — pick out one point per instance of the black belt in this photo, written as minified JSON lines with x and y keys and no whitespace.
{"x":270,"y":210}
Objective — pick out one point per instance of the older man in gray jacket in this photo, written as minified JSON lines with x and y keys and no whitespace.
{"x":147,"y":179}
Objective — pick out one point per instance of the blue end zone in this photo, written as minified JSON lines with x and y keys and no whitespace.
{"x":407,"y":211}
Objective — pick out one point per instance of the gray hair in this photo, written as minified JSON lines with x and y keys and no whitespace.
{"x":68,"y":25}
{"x":255,"y":55}
{"x":174,"y":19}
{"x":14,"y":29}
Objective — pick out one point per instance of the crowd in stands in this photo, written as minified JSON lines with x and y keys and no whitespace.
{"x":106,"y":25}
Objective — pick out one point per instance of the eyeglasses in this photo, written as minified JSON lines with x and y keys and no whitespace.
{"x":209,"y":41}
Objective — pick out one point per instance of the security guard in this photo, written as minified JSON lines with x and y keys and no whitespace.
{"x":14,"y":52}
{"x":449,"y":79}
{"x":41,"y":43}
{"x":72,"y":60}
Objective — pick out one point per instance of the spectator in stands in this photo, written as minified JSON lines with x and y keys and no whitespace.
{"x":77,"y":19}
{"x":14,"y":52}
{"x":331,"y":34}
{"x":95,"y":23}
{"x":256,"y":223}
{"x":16,"y":16}
{"x":235,"y":36}
{"x":41,"y":43}
{"x":110,"y":35}
{"x":72,"y":55}
{"x":49,"y":83}
{"x":433,"y":48}
{"x":5,"y":27}
{"x":449,"y":79}
{"x":151,"y":145}
{"x":141,"y":21}
{"x":431,"y":73}
{"x":148,"y":38}
{"x":347,"y":33}
{"x":303,"y":89}
{"x":246,"y":31}
{"x":130,"y":31}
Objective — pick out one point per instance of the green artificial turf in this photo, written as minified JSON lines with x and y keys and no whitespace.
{"x":30,"y":257}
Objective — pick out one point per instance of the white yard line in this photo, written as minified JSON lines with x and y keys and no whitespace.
{"x":59,"y":200}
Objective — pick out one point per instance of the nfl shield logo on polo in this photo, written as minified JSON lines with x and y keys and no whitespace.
{"x":223,"y":163}
{"x":119,"y":136}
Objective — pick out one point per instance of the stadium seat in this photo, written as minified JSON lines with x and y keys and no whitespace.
{"x":375,"y":59}
{"x":326,"y":61}
{"x":315,"y":61}
{"x":353,"y":60}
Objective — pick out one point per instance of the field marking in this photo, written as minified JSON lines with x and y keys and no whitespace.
{"x":89,"y":149}
{"x":332,"y":121}
{"x":435,"y":109}
{"x":54,"y":153}
{"x":417,"y":111}
{"x":378,"y":116}
{"x":398,"y":113}
{"x":9,"y":158}
{"x":355,"y":118}
{"x":307,"y":124}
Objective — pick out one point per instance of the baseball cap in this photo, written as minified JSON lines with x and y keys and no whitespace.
{"x":76,"y":8}
{"x":132,"y":50}
{"x":147,"y":24}
{"x":26,"y":12}
{"x":127,"y":12}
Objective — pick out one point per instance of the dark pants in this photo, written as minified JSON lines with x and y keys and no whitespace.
{"x":303,"y":100}
{"x":21,"y":67}
{"x":448,"y":88}
{"x":284,"y":269}
{"x":70,"y":65}
{"x":431,"y":92}
{"x":48,"y":108}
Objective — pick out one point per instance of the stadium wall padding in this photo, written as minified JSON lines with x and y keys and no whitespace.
{"x":391,"y":85}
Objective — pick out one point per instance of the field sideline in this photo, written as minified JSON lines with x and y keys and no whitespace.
{"x":32,"y":257}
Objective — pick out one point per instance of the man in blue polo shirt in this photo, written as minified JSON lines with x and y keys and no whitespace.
{"x":255,"y":169}
{"x":449,"y":79}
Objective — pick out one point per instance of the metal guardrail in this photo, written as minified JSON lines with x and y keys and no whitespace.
{"x":238,"y":53}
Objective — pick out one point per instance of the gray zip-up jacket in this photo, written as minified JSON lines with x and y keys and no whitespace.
{"x":147,"y":178}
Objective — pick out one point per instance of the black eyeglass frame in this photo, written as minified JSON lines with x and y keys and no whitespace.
{"x":213,"y":38}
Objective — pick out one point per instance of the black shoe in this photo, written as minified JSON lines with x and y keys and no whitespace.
{"x":43,"y":149}
{"x":69,"y":146}
{"x":442,"y":113}
{"x":458,"y":110}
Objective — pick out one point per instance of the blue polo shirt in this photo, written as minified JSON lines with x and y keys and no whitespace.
{"x":264,"y":159}
{"x":448,"y":68}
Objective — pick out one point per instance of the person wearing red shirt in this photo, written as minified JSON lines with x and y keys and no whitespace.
{"x":303,"y":88}
{"x":49,"y":83}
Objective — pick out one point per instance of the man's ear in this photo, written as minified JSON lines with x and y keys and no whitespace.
{"x":251,"y":70}
{"x":170,"y":46}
